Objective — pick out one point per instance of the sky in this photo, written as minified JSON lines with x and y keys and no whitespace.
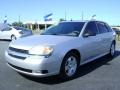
{"x":35,"y":10}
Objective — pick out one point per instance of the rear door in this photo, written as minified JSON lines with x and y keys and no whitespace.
{"x":106,"y":36}
{"x":91,"y":44}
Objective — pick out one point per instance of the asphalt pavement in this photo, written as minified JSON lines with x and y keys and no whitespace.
{"x":102,"y":74}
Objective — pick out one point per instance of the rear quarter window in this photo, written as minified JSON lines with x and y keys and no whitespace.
{"x":109,"y":28}
{"x":102,"y":27}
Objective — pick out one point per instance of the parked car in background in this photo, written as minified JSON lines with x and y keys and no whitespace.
{"x":13,"y":33}
{"x":116,"y":30}
{"x":61,"y":49}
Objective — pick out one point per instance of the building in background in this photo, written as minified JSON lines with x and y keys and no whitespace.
{"x":38,"y":25}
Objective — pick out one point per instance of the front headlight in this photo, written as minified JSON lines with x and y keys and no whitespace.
{"x":41,"y":50}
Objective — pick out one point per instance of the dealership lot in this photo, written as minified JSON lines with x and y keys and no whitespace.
{"x":102,"y":74}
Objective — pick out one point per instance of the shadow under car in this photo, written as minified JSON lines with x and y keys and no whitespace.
{"x":83,"y":70}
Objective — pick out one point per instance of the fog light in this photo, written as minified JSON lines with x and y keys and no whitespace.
{"x":41,"y":71}
{"x":44,"y":71}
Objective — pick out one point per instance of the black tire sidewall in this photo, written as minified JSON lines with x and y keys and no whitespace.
{"x":14,"y":37}
{"x":62,"y":71}
{"x":110,"y":54}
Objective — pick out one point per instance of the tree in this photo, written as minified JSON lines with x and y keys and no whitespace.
{"x":17,"y":24}
{"x":62,"y":19}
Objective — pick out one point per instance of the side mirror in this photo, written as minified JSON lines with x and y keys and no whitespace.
{"x":88,"y":34}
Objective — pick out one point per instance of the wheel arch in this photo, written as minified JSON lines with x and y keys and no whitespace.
{"x":77,"y":52}
{"x":114,"y":42}
{"x":12,"y":35}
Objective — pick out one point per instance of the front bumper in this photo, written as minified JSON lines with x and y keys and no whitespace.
{"x":37,"y":66}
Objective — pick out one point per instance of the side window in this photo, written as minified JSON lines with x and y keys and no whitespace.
{"x":102,"y":28}
{"x":91,"y":28}
{"x":108,"y":27}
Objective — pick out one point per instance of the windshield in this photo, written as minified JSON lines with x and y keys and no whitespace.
{"x":21,"y":28}
{"x":65,"y":28}
{"x":18,"y":28}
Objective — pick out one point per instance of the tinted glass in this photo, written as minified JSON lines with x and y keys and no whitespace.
{"x":21,"y":28}
{"x":91,"y":27}
{"x":18,"y":28}
{"x":102,"y":28}
{"x":65,"y":28}
{"x":108,"y":27}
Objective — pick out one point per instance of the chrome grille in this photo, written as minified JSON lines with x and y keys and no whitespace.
{"x":15,"y":56}
{"x":17,"y":53}
{"x":18,"y":50}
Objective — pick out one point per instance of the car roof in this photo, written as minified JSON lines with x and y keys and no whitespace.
{"x":85,"y":21}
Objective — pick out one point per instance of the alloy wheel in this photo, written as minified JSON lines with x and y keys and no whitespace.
{"x":70,"y":66}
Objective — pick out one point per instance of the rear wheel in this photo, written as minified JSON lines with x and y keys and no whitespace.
{"x":112,"y":50}
{"x":13,"y":37}
{"x":69,"y":65}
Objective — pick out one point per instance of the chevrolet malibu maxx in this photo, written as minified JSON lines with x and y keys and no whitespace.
{"x":61,"y":49}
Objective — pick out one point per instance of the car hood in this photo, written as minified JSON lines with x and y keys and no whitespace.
{"x":38,"y":40}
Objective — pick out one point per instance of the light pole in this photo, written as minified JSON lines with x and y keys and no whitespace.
{"x":5,"y":19}
{"x":82,"y":16}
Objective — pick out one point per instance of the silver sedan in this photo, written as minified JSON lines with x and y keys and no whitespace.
{"x":13,"y":33}
{"x":61,"y":49}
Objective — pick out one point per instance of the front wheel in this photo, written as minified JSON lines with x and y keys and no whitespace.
{"x":13,"y":37}
{"x":69,"y":65}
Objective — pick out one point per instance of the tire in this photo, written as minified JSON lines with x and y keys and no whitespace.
{"x":112,"y":50}
{"x":69,"y":65}
{"x":13,"y":37}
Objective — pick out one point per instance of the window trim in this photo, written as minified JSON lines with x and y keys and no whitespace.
{"x":109,"y":28}
{"x":98,"y":22}
{"x":87,"y":25}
